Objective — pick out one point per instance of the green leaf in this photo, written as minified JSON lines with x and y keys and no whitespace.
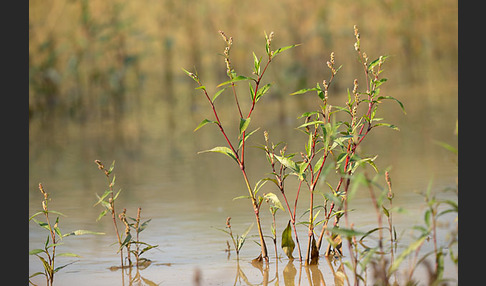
{"x":112,"y":166}
{"x":240,"y":143}
{"x":102,"y":214}
{"x":242,"y":238}
{"x":243,"y":125}
{"x":398,"y":101}
{"x":256,"y":64}
{"x":82,"y":232}
{"x":56,"y":212}
{"x":46,"y":265}
{"x":312,"y":123}
{"x":288,"y":243}
{"x":241,"y":197}
{"x":217,"y":94}
{"x":307,"y":114}
{"x":412,"y":247}
{"x":258,"y":185}
{"x":100,"y":199}
{"x":376,"y":62}
{"x":36,"y":214}
{"x":287,"y":162}
{"x":56,"y":228}
{"x":126,"y":241}
{"x":262,"y":91}
{"x":61,"y":267}
{"x":446,"y":146}
{"x":347,"y":232}
{"x":37,"y":273}
{"x":67,"y":254}
{"x":379,"y":82}
{"x":42,"y":224}
{"x":304,"y":90}
{"x":147,"y":249}
{"x":236,"y":79}
{"x":204,"y":122}
{"x":191,"y":75}
{"x":223,"y":150}
{"x":144,"y":225}
{"x":279,"y":50}
{"x":36,"y":251}
{"x":385,"y":211}
{"x":274,"y":199}
{"x":394,"y":127}
{"x":116,"y":195}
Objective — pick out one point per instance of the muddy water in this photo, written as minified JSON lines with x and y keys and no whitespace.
{"x":188,"y":195}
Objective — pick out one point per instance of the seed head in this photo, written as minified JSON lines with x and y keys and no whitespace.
{"x":223,"y":35}
{"x":100,"y":165}
{"x":228,"y":224}
{"x":41,"y":188}
{"x":388,"y":182}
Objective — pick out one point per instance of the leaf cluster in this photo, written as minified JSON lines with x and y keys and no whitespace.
{"x":48,"y":254}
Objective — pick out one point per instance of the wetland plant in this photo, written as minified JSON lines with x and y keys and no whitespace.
{"x":239,"y":241}
{"x":333,"y":136}
{"x":131,"y":244}
{"x":47,"y":255}
{"x":235,"y":149}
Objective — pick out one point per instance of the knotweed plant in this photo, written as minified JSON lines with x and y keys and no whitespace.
{"x":332,"y":136}
{"x":330,"y":144}
{"x":47,"y":255}
{"x":235,"y":148}
{"x":133,"y":245}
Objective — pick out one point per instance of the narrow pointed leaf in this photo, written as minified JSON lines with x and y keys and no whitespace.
{"x":36,"y":251}
{"x":82,"y":232}
{"x":204,"y":122}
{"x":236,"y":79}
{"x":217,"y":94}
{"x":279,"y":50}
{"x":412,"y":247}
{"x":223,"y":150}
{"x":394,"y":127}
{"x":304,"y":90}
{"x":398,"y":101}
{"x":100,"y":199}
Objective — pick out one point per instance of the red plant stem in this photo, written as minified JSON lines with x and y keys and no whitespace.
{"x":256,"y":207}
{"x":350,"y":152}
{"x":236,"y":99}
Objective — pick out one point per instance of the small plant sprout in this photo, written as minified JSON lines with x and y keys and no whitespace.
{"x":274,"y":205}
{"x":138,"y":226}
{"x":238,"y":241}
{"x":235,"y":149}
{"x":47,"y":255}
{"x":132,"y":244}
{"x":109,"y":206}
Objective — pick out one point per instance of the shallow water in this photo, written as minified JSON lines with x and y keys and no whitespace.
{"x":188,"y":195}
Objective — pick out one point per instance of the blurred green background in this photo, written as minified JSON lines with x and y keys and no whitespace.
{"x":97,"y":59}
